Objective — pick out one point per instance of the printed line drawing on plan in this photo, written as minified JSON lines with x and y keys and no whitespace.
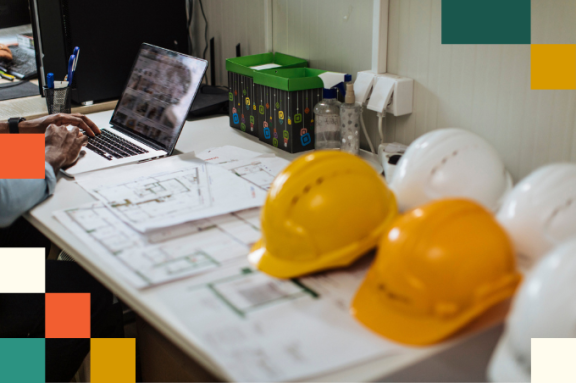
{"x":159,"y":195}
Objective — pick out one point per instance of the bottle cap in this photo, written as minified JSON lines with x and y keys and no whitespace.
{"x":330,"y":93}
{"x":350,"y":98}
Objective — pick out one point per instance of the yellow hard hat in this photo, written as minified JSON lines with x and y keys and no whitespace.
{"x":437,"y":268}
{"x":324,"y":210}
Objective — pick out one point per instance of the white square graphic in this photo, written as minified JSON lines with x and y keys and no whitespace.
{"x":22,"y":270}
{"x":553,"y":360}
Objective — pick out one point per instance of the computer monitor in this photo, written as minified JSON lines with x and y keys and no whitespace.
{"x":14,"y":13}
{"x":109,"y":34}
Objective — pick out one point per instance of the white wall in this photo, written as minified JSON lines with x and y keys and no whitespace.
{"x":230,"y":22}
{"x":334,"y":35}
{"x":484,"y":88}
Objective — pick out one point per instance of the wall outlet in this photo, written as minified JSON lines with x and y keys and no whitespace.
{"x":394,"y":93}
{"x":402,"y":95}
{"x":363,"y":86}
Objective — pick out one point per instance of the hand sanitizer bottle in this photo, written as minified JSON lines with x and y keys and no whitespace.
{"x":327,"y":111}
{"x":327,"y":114}
{"x":350,"y":114}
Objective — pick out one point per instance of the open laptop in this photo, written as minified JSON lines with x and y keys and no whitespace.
{"x":151,"y":112}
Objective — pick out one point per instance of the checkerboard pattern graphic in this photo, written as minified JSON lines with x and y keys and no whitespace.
{"x":553,"y":66}
{"x":67,"y":315}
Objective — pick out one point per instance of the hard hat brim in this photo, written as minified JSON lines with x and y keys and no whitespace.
{"x":264,"y":261}
{"x":503,"y":366}
{"x":415,"y":330}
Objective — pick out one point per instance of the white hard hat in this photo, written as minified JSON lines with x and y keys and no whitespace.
{"x":540,"y":212}
{"x":544,"y":307}
{"x":450,"y":163}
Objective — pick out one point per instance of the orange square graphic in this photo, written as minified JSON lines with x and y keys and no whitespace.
{"x":553,"y":66}
{"x":67,"y":315}
{"x":22,"y":156}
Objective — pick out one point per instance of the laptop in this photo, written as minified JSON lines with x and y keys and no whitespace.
{"x":150,"y":114}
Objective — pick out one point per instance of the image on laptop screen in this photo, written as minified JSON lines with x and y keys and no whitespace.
{"x":159,"y":94}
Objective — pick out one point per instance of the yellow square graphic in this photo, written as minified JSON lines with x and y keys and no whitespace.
{"x":112,"y":360}
{"x":553,"y":66}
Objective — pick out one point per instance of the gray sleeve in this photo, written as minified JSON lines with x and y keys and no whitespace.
{"x":19,"y":196}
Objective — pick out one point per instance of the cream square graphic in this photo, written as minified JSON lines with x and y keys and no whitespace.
{"x":553,"y":360}
{"x":22,"y":270}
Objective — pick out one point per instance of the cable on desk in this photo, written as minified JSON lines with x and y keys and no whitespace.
{"x":205,"y":30}
{"x":205,"y":38}
{"x":190,"y":19}
{"x":12,"y":85}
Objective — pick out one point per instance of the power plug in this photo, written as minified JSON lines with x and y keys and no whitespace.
{"x":389,"y":155}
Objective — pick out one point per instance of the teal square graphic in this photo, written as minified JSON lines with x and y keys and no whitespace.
{"x":486,"y":21}
{"x":23,"y":360}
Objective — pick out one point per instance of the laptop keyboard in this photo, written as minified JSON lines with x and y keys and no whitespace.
{"x":111,"y":146}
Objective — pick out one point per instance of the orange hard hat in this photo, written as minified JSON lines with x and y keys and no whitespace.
{"x":438,"y":267}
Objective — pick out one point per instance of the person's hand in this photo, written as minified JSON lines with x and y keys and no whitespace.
{"x":5,"y":53}
{"x":63,"y":146}
{"x":76,"y":119}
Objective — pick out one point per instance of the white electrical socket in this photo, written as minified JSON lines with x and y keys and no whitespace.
{"x":402,"y":96}
{"x":363,"y":86}
{"x":381,"y":94}
{"x":401,"y":88}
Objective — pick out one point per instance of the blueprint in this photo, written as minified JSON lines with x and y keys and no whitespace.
{"x":260,"y":328}
{"x":166,"y":254}
{"x":170,"y":191}
{"x":258,"y":169}
{"x":225,"y":154}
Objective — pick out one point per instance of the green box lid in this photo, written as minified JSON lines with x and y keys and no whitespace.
{"x":242,"y":65}
{"x":290,"y":80}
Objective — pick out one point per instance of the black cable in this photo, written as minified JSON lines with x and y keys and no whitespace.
{"x":190,"y":12}
{"x":205,"y":29}
{"x":205,"y":39}
{"x":12,"y":85}
{"x":190,"y":16}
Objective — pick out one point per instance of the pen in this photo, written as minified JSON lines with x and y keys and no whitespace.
{"x":72,"y":62}
{"x":6,"y":76}
{"x":50,"y":81}
{"x":70,"y":75}
{"x":77,"y":54}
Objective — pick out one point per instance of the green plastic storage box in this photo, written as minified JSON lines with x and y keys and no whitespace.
{"x":286,"y":100}
{"x":243,"y":109}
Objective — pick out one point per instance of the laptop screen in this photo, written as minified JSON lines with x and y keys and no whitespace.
{"x":158,"y":96}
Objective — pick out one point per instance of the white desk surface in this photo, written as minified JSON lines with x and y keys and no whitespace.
{"x":196,"y":136}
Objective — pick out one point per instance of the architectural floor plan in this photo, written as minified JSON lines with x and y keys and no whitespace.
{"x":170,"y":191}
{"x":261,"y":328}
{"x":258,"y":169}
{"x":166,"y":254}
{"x":159,"y":196}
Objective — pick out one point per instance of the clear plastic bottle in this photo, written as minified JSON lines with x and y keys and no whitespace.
{"x":327,"y":121}
{"x":350,"y":114}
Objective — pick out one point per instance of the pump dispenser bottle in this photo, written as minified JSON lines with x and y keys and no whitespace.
{"x":350,"y":114}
